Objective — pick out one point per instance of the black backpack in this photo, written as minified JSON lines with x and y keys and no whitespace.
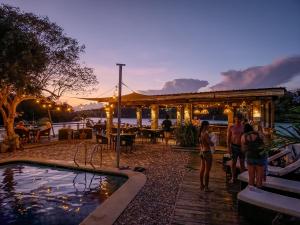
{"x":255,"y":146}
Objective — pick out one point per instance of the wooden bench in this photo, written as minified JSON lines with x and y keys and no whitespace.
{"x":268,"y":200}
{"x":276,"y":183}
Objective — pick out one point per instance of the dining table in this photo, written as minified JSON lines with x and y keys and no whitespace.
{"x":153,"y":134}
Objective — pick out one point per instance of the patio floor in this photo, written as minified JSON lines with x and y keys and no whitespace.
{"x":198,"y":207}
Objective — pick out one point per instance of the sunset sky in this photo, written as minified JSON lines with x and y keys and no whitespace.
{"x":163,"y":40}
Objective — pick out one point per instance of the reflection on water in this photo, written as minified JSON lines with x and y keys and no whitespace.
{"x":37,"y":195}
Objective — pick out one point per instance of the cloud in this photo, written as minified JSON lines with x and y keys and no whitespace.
{"x":274,"y":74}
{"x":178,"y":86}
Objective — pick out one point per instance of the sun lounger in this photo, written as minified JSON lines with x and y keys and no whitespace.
{"x":291,"y":163}
{"x":274,"y":202}
{"x":291,"y":148}
{"x":276,"y":183}
{"x":278,"y":171}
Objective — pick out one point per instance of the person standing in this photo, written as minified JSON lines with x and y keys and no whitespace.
{"x":234,"y":135}
{"x":252,"y":145}
{"x":166,"y":126}
{"x":205,"y":155}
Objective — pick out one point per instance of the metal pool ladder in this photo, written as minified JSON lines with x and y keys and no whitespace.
{"x":96,"y":148}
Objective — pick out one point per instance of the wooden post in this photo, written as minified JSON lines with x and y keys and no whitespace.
{"x":154,"y":116}
{"x":267,"y":114}
{"x":179,"y":115}
{"x":139,"y":116}
{"x":50,"y":120}
{"x":187,"y":113}
{"x":263,"y":114}
{"x":109,"y":119}
{"x":230,"y":117}
{"x":272,"y":116}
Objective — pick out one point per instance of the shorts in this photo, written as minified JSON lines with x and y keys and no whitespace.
{"x":236,"y":152}
{"x":206,"y":155}
{"x":256,"y":162}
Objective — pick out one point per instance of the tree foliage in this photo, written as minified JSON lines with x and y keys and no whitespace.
{"x":37,"y":60}
{"x":36,"y":55}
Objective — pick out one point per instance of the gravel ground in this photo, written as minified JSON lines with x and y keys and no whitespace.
{"x":165,"y":169}
{"x":155,"y":203}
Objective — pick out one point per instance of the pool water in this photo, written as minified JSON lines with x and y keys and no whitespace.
{"x":35,"y":194}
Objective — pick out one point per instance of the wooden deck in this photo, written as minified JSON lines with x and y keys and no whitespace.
{"x":197,"y":207}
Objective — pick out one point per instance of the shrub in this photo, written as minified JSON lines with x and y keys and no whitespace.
{"x":187,"y":135}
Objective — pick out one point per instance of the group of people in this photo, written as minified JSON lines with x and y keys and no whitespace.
{"x":46,"y":126}
{"x":243,"y":144}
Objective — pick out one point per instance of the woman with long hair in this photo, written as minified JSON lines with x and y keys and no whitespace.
{"x":205,"y":155}
{"x":253,"y":146}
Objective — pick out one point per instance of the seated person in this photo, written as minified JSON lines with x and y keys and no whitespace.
{"x":89,"y":123}
{"x":43,"y":128}
{"x":21,"y":126}
{"x":22,"y":132}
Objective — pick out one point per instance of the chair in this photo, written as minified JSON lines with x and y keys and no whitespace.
{"x":102,"y":140}
{"x":23,"y":135}
{"x":127,"y":141}
{"x":145,"y":135}
{"x":44,"y":133}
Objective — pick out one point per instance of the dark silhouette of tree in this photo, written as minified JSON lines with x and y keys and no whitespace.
{"x":37,"y":60}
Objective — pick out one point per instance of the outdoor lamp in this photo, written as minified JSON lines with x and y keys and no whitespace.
{"x":197,"y":112}
{"x":204,"y":112}
{"x":227,"y":109}
{"x":256,"y":113}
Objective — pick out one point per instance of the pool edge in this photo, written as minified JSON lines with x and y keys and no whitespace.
{"x":109,"y":211}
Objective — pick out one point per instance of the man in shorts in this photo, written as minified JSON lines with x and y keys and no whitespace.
{"x":234,"y":135}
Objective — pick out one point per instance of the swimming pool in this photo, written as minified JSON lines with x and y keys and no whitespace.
{"x":37,"y":194}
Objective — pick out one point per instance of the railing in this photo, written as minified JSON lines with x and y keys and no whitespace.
{"x":84,"y":144}
{"x":96,"y":148}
